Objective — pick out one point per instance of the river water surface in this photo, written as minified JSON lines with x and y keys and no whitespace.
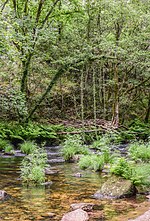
{"x":36,"y":203}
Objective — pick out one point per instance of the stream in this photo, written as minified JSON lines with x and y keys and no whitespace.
{"x":37,"y":203}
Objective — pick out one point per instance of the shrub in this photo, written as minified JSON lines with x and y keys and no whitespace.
{"x":33,"y":167}
{"x":5,"y":145}
{"x":141,"y":174}
{"x":27,"y":147}
{"x":140,"y":151}
{"x":9,"y":149}
{"x":73,"y":145}
{"x":101,"y":142}
{"x":121,"y":168}
{"x":14,"y":131}
{"x":92,"y":162}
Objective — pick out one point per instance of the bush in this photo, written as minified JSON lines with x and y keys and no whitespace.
{"x":140,"y":151}
{"x":92,"y":162}
{"x":33,"y":167}
{"x":101,"y":142}
{"x":73,"y":145}
{"x":9,"y":149}
{"x":141,"y":174}
{"x":27,"y":147}
{"x":14,"y":131}
{"x":122,"y":168}
{"x":5,"y":145}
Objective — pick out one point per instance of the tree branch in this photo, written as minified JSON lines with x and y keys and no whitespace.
{"x":3,"y":6}
{"x":138,"y":85}
{"x":39,"y":10}
{"x":49,"y":13}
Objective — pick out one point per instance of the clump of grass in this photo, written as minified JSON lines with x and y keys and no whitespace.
{"x":9,"y":149}
{"x":92,"y":162}
{"x":141,"y":174}
{"x":101,"y":142}
{"x":27,"y":147}
{"x":140,"y":151}
{"x":73,"y":145}
{"x":137,"y":173}
{"x":6,"y":146}
{"x":33,"y":167}
{"x":121,"y":167}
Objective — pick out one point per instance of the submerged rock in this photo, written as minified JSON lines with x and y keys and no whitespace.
{"x":115,"y":187}
{"x":77,"y":175}
{"x":76,"y":158}
{"x":51,"y":215}
{"x":4,"y":195}
{"x":51,"y":172}
{"x":83,"y":206}
{"x":76,"y":215}
{"x":47,"y":183}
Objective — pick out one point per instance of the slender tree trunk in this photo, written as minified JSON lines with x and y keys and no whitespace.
{"x":115,"y":114}
{"x":48,"y":90}
{"x":82,"y":97}
{"x":94,"y":99}
{"x":148,"y":111}
{"x":25,"y":67}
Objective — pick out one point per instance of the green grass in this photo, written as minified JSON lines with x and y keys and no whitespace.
{"x":140,"y":151}
{"x":6,"y":146}
{"x":92,"y":162}
{"x":9,"y":149}
{"x":73,"y":145}
{"x":27,"y":147}
{"x":33,"y":167}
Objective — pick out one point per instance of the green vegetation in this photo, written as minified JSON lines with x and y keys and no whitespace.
{"x":101,"y":142}
{"x":33,"y":167}
{"x":75,"y":61}
{"x":122,"y":167}
{"x":141,"y":174}
{"x":92,"y":162}
{"x":9,"y":149}
{"x":14,"y":131}
{"x":6,"y":146}
{"x":28,"y":147}
{"x":101,"y":70}
{"x":137,"y":173}
{"x":73,"y":145}
{"x":139,"y":151}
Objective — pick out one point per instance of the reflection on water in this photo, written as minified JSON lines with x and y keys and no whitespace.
{"x":35,"y":203}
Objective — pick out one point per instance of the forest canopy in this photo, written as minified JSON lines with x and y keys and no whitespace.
{"x":75,"y":59}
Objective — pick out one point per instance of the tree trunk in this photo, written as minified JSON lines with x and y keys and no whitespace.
{"x":49,"y":88}
{"x":115,"y":114}
{"x":148,"y":111}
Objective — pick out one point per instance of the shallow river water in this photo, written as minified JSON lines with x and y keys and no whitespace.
{"x":36,"y":203}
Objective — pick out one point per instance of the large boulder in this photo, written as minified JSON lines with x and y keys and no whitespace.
{"x":115,"y":187}
{"x":76,"y":215}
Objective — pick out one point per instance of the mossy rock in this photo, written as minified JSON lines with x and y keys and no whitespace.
{"x":115,"y":187}
{"x":143,"y":189}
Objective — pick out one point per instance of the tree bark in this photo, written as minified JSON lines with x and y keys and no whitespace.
{"x":148,"y":111}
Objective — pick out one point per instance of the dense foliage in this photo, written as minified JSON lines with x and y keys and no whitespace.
{"x":80,"y":59}
{"x":33,"y":166}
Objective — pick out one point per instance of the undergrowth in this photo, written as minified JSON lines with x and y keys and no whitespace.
{"x":73,"y":145}
{"x":33,"y":167}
